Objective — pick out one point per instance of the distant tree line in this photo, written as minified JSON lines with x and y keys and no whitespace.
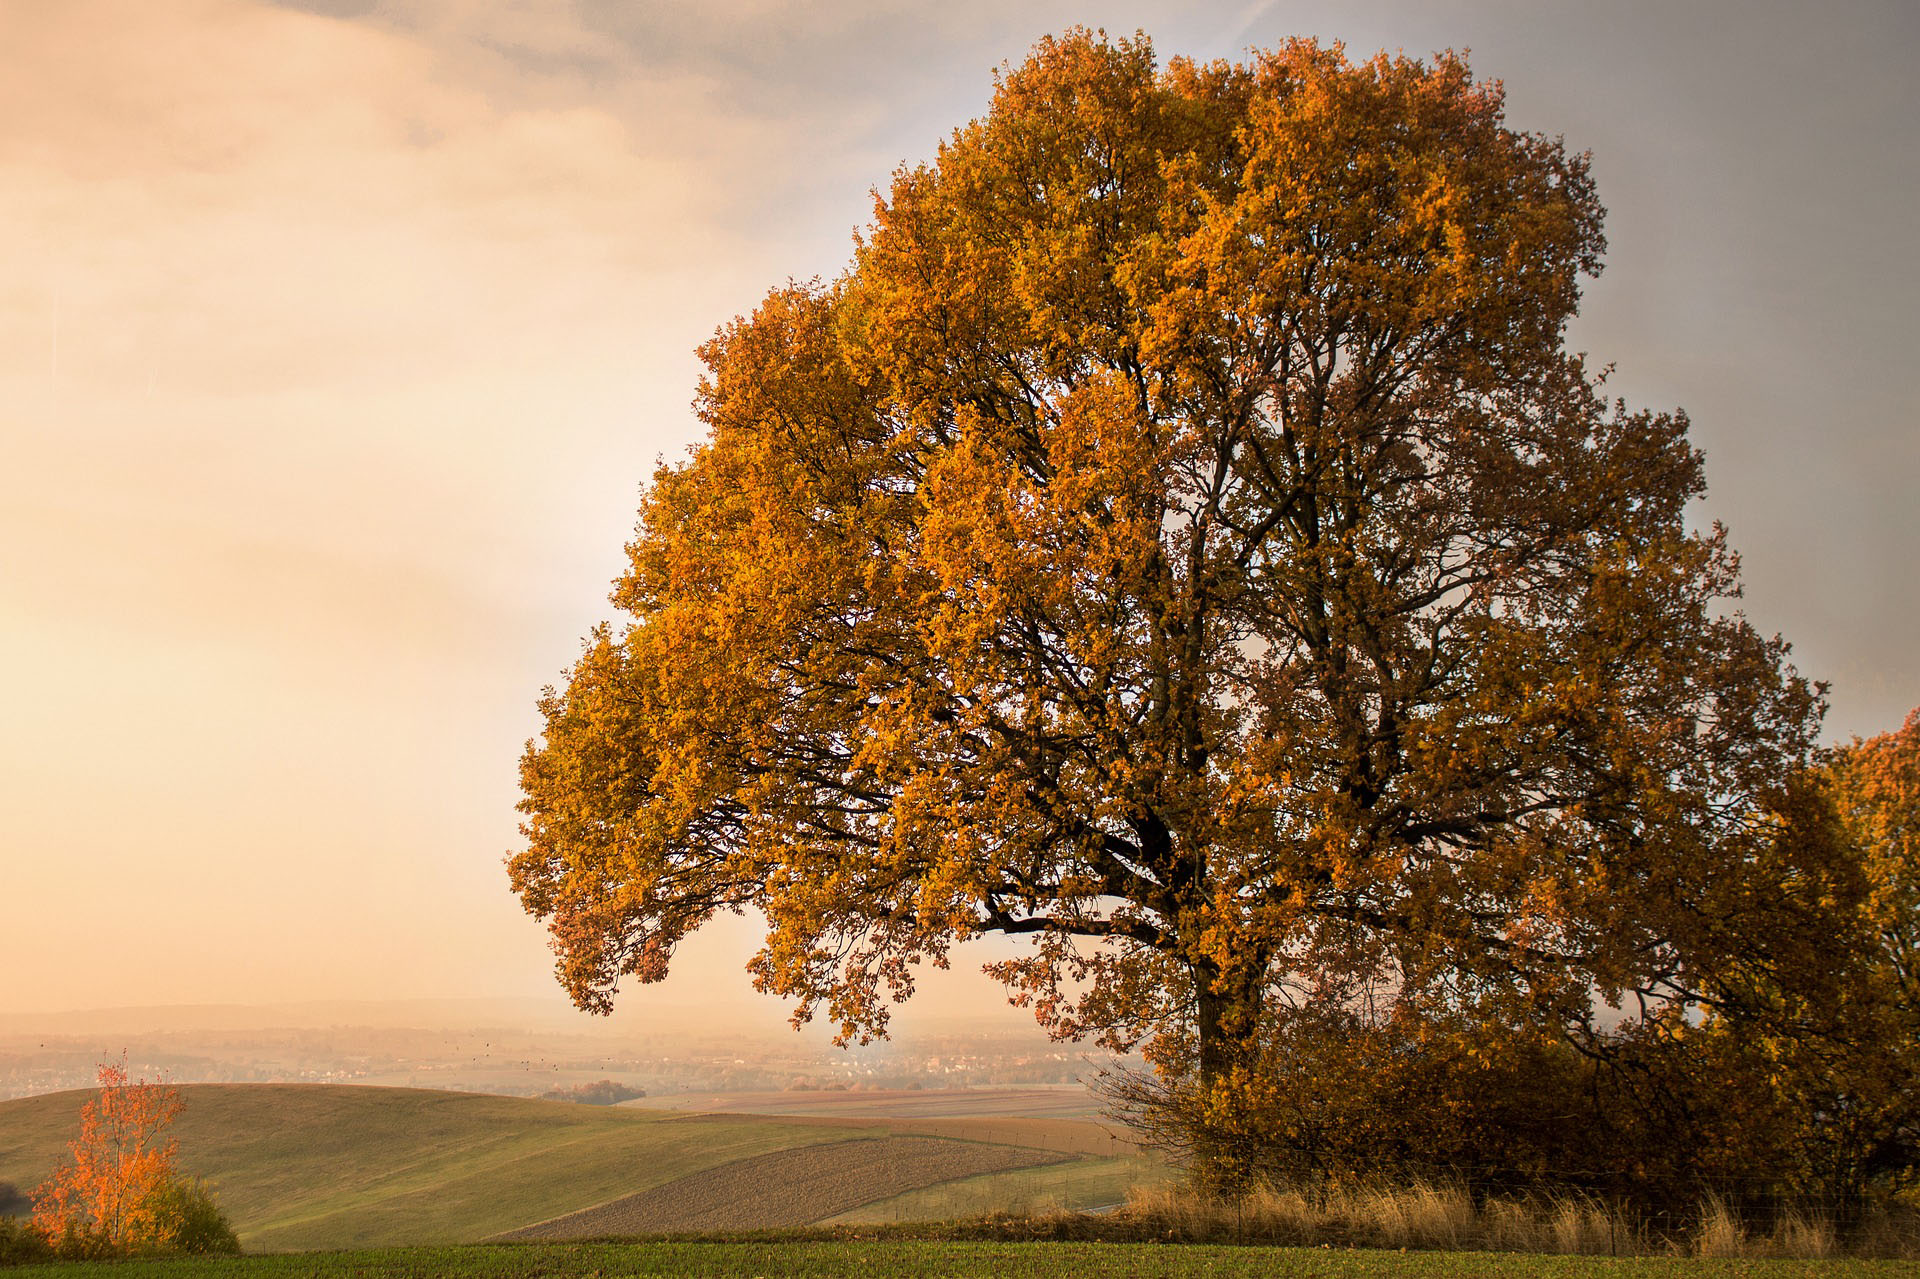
{"x":603,"y":1093}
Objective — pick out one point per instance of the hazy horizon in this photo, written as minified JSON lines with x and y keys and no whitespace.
{"x":341,"y":334}
{"x":677,"y":1017}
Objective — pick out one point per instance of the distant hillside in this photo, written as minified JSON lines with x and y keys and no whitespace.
{"x":328,"y":1166}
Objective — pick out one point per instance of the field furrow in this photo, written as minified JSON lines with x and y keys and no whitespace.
{"x":789,"y":1187}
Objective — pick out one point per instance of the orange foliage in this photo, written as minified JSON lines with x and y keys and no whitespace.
{"x":1876,"y":787}
{"x":1181,"y":539}
{"x":1865,"y":1087}
{"x":108,"y":1194}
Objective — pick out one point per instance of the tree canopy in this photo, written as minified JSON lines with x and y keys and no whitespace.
{"x":1182,"y":539}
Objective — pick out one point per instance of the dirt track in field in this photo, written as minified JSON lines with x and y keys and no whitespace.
{"x":788,"y":1187}
{"x":1052,"y":1101}
{"x":1102,"y":1138}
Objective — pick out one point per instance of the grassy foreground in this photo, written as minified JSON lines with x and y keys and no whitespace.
{"x":874,"y":1259}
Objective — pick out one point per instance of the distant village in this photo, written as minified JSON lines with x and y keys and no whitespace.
{"x":517,"y":1063}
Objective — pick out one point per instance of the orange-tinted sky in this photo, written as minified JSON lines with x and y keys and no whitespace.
{"x":336,"y":337}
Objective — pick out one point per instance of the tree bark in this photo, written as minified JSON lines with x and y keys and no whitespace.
{"x":1227,"y":1013}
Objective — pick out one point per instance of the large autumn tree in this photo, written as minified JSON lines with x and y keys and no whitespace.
{"x":1180,"y":539}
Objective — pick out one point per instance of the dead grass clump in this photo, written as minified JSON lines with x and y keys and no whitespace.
{"x":1508,"y":1225}
{"x":1436,"y":1217}
{"x":1583,"y":1224}
{"x":1804,"y":1238}
{"x":1418,"y":1216}
{"x":1446,"y":1217}
{"x":1422,"y":1216}
{"x":1719,"y":1232}
{"x":1285,"y":1212}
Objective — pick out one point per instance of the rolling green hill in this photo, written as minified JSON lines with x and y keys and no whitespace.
{"x":326,"y":1166}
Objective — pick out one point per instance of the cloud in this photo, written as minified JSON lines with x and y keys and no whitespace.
{"x":324,"y":358}
{"x":247,"y":197}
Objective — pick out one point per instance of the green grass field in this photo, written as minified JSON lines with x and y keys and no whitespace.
{"x":920,"y":1258}
{"x":317,"y":1166}
{"x":314,"y":1166}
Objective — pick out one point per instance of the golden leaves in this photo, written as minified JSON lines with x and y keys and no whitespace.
{"x":110,"y":1193}
{"x":1179,"y":539}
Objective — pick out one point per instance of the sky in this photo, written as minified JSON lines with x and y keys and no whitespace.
{"x":337,"y":337}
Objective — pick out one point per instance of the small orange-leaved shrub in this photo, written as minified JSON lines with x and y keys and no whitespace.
{"x":123,"y":1193}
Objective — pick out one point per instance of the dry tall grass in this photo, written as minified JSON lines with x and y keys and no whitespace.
{"x":1447,"y":1217}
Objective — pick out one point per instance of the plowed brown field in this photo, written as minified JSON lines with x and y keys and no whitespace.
{"x":1069,"y":1136}
{"x":788,"y":1187}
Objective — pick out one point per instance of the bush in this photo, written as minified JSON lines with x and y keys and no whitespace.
{"x":1658,"y":1114}
{"x":178,"y":1216}
{"x":20,"y":1243}
{"x":123,"y":1194}
{"x":186,"y":1219}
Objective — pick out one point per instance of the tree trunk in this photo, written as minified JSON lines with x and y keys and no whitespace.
{"x":1225,"y":1144}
